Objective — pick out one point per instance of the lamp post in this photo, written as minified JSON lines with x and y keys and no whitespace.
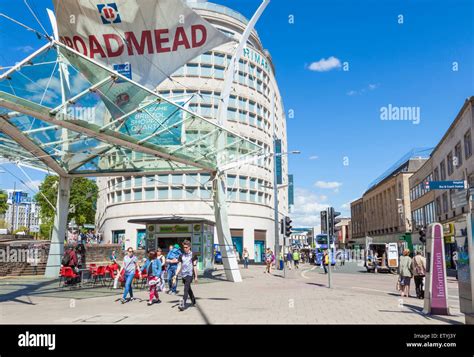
{"x":275,"y":200}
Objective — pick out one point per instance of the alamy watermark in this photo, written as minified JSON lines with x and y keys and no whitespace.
{"x":393,"y":112}
{"x":77,"y":113}
{"x":20,"y":255}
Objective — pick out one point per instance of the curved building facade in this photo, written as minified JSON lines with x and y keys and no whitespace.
{"x":255,"y":111}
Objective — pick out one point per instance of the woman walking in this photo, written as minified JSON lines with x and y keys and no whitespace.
{"x":129,"y":266}
{"x":405,"y":273}
{"x":269,"y":258}
{"x":152,"y":267}
{"x":245,"y":255}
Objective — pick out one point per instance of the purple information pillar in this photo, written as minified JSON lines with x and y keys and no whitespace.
{"x":437,"y":273}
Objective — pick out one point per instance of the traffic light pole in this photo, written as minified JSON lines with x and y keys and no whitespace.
{"x":329,"y":246}
{"x":275,"y":204}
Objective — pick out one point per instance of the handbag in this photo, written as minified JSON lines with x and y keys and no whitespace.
{"x":116,"y":281}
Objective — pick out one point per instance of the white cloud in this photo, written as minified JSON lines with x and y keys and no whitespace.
{"x":325,"y":65}
{"x":371,"y":86}
{"x":307,"y":207}
{"x":346,"y":206}
{"x":314,"y":157}
{"x":329,"y":185}
{"x":25,"y":49}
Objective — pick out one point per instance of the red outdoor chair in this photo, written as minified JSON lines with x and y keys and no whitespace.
{"x":139,"y":281}
{"x":111,"y":270}
{"x":92,"y":268}
{"x":67,"y":274}
{"x":99,"y":274}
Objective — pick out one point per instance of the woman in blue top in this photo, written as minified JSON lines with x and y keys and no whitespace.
{"x":152,"y":267}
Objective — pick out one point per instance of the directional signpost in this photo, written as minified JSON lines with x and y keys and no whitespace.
{"x":447,"y":185}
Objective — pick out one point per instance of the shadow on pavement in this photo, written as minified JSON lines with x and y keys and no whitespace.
{"x":26,"y":291}
{"x":320,"y":285}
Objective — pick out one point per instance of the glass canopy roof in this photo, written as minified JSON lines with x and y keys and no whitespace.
{"x":107,"y":124}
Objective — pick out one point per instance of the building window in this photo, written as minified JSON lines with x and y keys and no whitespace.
{"x":231,"y":181}
{"x":457,"y":155}
{"x":127,"y":195}
{"x":442,"y":169}
{"x":467,"y":144}
{"x":176,"y":193}
{"x":138,"y":182}
{"x":445,"y":202}
{"x":438,"y":206}
{"x":205,"y":194}
{"x":206,"y":71}
{"x":449,"y":160}
{"x":204,"y":178}
{"x":137,"y":195}
{"x":162,"y":193}
{"x":191,"y":193}
{"x":193,"y":70}
{"x":243,"y":181}
{"x":150,"y":194}
{"x":436,"y":174}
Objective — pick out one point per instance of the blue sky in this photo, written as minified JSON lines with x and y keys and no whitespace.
{"x":336,"y":112}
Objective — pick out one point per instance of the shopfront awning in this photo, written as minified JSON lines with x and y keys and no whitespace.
{"x":108,"y":125}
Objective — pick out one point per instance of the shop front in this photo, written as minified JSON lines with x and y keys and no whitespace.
{"x":163,"y":232}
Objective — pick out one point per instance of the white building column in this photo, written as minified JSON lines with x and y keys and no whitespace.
{"x":56,"y":248}
{"x":224,"y":237}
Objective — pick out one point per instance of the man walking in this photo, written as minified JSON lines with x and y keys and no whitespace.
{"x":187,"y":266}
{"x":419,"y":271}
{"x":289,"y":259}
{"x":325,"y":261}
{"x":171,"y":267}
{"x":296,"y":258}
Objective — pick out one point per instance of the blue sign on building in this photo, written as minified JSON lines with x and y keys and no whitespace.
{"x":278,"y":161}
{"x":447,"y":185}
{"x":291,"y":191}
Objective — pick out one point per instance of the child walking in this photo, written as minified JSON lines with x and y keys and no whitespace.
{"x":153,"y":268}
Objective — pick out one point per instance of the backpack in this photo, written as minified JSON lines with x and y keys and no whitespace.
{"x":66,"y":259}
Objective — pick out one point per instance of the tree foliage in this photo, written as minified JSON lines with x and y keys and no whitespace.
{"x":82,"y":202}
{"x":3,"y":202}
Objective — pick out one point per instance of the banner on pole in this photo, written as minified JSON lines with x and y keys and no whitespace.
{"x":146,"y":41}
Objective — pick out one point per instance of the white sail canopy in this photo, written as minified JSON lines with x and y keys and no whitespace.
{"x":144,"y":40}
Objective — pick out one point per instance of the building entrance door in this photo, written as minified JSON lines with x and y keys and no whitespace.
{"x":238,"y":244}
{"x":165,"y":242}
{"x":259,"y":250}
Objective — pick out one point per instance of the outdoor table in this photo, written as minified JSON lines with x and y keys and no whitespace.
{"x":84,"y":272}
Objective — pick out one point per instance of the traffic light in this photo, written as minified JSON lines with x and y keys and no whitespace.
{"x":282,"y":226}
{"x":422,"y":235}
{"x":332,"y":220}
{"x":324,"y":226}
{"x":288,"y":226}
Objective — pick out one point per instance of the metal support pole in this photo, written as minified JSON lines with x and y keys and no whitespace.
{"x":224,"y":236}
{"x":329,"y":247}
{"x":275,"y":204}
{"x":56,"y":248}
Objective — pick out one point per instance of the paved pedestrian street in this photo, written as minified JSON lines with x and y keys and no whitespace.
{"x":356,"y":297}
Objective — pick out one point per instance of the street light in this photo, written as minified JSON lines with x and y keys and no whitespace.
{"x":275,"y":200}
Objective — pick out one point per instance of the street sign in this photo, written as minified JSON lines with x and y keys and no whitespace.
{"x":458,"y":199}
{"x":34,"y":229}
{"x":447,"y":185}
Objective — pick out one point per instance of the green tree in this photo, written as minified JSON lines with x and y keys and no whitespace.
{"x":3,"y":202}
{"x":82,"y":202}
